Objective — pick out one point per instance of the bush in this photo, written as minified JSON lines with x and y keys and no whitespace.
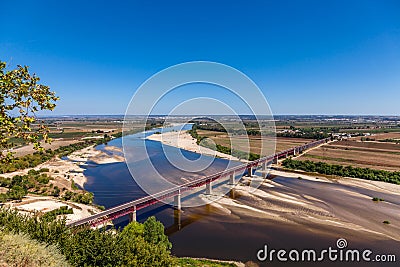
{"x":19,"y":185}
{"x":137,"y":245}
{"x":52,"y":215}
{"x":20,"y":250}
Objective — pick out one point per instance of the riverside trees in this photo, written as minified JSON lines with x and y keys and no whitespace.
{"x":344,"y":171}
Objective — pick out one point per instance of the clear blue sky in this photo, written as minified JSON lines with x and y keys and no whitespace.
{"x":308,"y":57}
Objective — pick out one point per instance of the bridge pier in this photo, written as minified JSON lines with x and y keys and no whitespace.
{"x":232,"y":193}
{"x":132,"y":216}
{"x":177,"y":200}
{"x":232,"y":178}
{"x":264,"y":171}
{"x":294,"y":152}
{"x":209,"y":188}
{"x":250,"y":171}
{"x":177,"y":219}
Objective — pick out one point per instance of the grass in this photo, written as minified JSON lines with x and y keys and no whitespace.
{"x":386,"y":222}
{"x":376,"y":199}
{"x":186,"y":262}
{"x":20,"y":250}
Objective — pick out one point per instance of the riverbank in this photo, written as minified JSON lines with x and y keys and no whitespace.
{"x":292,"y":210}
{"x":302,"y":200}
{"x":183,"y":140}
{"x":65,"y":170}
{"x":32,"y":204}
{"x":64,"y":176}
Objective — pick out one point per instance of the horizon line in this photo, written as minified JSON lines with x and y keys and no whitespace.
{"x":175,"y":115}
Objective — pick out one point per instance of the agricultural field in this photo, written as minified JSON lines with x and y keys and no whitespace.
{"x":377,"y":154}
{"x":282,"y":143}
{"x":66,"y":132}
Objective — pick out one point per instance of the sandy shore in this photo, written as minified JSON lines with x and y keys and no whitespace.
{"x":184,"y":140}
{"x":63,"y":173}
{"x":31,"y":204}
{"x":65,"y":170}
{"x":318,"y":203}
{"x":290,"y":212}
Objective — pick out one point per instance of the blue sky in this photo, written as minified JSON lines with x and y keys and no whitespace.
{"x":307,"y":57}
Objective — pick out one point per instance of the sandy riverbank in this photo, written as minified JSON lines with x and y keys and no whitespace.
{"x":65,"y":170}
{"x":63,"y":173}
{"x":318,"y":203}
{"x":291,"y":212}
{"x":184,"y":140}
{"x":43,"y":204}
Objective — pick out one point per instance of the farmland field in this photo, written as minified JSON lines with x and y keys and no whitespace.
{"x":354,"y":152}
{"x":240,"y":141}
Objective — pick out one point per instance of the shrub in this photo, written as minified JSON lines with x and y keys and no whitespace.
{"x":137,"y":245}
{"x":20,"y":250}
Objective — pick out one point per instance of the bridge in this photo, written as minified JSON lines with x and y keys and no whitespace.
{"x":132,"y":207}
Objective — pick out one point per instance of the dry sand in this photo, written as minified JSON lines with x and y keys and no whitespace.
{"x":65,"y":170}
{"x":31,"y":204}
{"x":315,"y":202}
{"x":288,"y":212}
{"x":184,"y":140}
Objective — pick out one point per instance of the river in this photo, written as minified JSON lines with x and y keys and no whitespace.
{"x":205,"y":231}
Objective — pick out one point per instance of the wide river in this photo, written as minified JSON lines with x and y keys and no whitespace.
{"x":206,"y":231}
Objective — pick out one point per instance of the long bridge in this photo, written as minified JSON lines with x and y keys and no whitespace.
{"x":132,"y":207}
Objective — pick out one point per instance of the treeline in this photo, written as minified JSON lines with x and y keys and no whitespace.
{"x":305,"y":135}
{"x":136,"y":245}
{"x":79,"y":197}
{"x":343,"y":171}
{"x":52,"y":215}
{"x":222,"y":149}
{"x":220,"y":128}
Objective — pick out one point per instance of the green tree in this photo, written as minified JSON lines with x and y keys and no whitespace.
{"x":154,"y":233}
{"x":21,"y":96}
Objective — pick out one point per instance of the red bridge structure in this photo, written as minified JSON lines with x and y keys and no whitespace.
{"x":132,"y":207}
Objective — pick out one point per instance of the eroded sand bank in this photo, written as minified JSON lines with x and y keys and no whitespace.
{"x":70,"y":168}
{"x":184,"y":140}
{"x":42,"y":204}
{"x":292,"y":211}
{"x":63,"y":172}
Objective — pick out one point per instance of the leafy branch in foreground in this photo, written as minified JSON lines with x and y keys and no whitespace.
{"x":21,"y":96}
